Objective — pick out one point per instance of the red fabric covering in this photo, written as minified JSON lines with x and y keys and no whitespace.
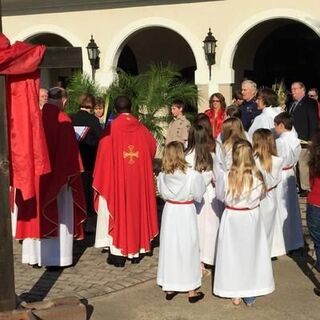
{"x":27,"y":149}
{"x":40,"y":215}
{"x":123,"y":175}
{"x":216,"y":120}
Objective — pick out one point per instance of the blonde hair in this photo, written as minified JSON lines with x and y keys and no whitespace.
{"x":243,"y":169}
{"x":173,"y":158}
{"x":232,"y":130}
{"x":264,"y":147}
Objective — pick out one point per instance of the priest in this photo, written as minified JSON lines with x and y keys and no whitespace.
{"x":123,"y":180}
{"x":48,"y":222}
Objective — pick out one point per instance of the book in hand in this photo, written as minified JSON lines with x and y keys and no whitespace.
{"x":81,"y":132}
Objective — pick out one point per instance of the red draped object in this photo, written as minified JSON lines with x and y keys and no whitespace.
{"x":123,"y":175}
{"x":27,"y":148}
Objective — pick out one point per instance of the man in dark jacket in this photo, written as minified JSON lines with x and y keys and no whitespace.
{"x":305,"y":115}
{"x":249,"y":109}
{"x":88,"y":145}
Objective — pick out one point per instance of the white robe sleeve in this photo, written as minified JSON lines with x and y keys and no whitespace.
{"x":220,"y":180}
{"x":256,"y":124}
{"x":198,"y":187}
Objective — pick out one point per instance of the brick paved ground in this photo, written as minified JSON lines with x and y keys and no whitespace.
{"x":90,"y":277}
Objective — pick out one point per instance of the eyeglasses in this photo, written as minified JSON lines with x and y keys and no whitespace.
{"x":215,"y":100}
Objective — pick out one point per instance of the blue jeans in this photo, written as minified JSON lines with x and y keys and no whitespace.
{"x":249,"y":300}
{"x":313,"y":223}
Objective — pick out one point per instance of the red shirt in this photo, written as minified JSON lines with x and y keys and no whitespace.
{"x":314,"y":194}
{"x":216,"y":120}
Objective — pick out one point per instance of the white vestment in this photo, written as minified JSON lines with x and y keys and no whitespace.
{"x":56,"y":251}
{"x":264,"y":120}
{"x":103,"y":239}
{"x":179,"y":266}
{"x":269,"y":208}
{"x":209,"y":211}
{"x":243,"y":264}
{"x":288,"y":147}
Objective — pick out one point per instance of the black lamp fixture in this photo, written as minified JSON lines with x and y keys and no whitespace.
{"x":209,"y":46}
{"x":93,"y":55}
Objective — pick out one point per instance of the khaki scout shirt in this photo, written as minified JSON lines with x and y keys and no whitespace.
{"x":178,"y":130}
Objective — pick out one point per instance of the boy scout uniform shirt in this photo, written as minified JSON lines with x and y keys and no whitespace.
{"x":178,"y":130}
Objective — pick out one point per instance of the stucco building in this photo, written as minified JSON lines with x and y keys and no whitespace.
{"x":262,"y":40}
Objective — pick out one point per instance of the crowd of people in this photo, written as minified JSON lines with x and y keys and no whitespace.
{"x":230,"y":181}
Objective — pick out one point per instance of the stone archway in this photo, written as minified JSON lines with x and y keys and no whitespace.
{"x":278,"y":49}
{"x":157,"y":45}
{"x":225,"y":67}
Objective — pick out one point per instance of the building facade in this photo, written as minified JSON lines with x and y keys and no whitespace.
{"x":262,"y":40}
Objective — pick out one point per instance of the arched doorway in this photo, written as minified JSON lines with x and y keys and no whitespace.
{"x":278,"y":49}
{"x":62,"y":59}
{"x":157,"y":45}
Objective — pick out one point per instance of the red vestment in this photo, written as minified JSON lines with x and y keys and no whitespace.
{"x":216,"y":120}
{"x":123,"y":175}
{"x":38,"y":217}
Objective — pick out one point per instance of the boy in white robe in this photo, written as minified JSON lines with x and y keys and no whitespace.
{"x":266,"y":100}
{"x":288,"y":147}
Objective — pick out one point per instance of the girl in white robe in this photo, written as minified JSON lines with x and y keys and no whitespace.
{"x":232,"y":130}
{"x":243,"y":264}
{"x":264,"y":148}
{"x":288,"y":147}
{"x":200,"y":158}
{"x":179,"y":254}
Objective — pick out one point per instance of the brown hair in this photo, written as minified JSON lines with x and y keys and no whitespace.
{"x":173,"y":158}
{"x":268,"y":97}
{"x":203,"y":120}
{"x":232,"y":130}
{"x":198,"y":141}
{"x":87,"y":99}
{"x":264,"y":147}
{"x":221,"y":99}
{"x":243,"y":169}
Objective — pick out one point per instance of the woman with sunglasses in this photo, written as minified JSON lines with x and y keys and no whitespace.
{"x":216,"y":112}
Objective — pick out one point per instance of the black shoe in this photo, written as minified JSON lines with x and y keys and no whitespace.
{"x":196,"y":298}
{"x":54,"y":268}
{"x":317,"y":291}
{"x":117,"y":261}
{"x":105,"y":250}
{"x":36,"y":266}
{"x":170,"y":296}
{"x":303,"y":193}
{"x":135,"y":260}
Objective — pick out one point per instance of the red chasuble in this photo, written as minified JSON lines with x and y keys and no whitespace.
{"x":39,"y":215}
{"x":123,"y":175}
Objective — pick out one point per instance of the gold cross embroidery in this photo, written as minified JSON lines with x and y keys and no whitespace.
{"x":131,"y":154}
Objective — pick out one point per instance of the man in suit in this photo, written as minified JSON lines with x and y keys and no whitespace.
{"x":88,"y":146}
{"x":305,"y":115}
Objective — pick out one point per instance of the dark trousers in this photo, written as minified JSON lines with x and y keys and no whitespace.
{"x":313,"y":223}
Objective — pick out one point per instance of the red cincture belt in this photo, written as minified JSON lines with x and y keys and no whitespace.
{"x":180,"y":202}
{"x":271,"y":188}
{"x":287,"y":168}
{"x":240,"y":209}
